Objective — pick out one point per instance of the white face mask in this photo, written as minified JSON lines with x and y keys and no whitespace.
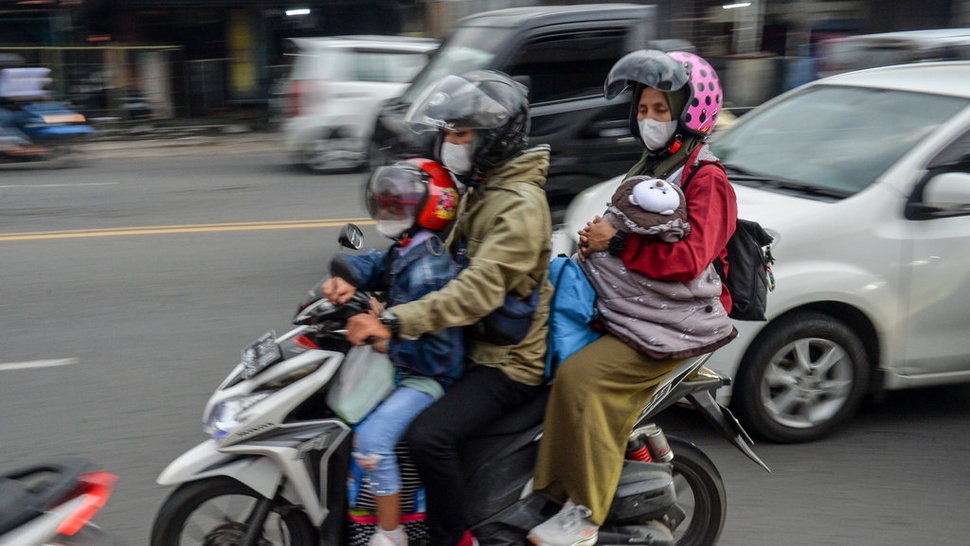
{"x":457,"y":158}
{"x":393,"y":229}
{"x":656,"y":134}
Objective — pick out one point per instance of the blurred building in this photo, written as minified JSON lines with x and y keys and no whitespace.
{"x":204,"y":57}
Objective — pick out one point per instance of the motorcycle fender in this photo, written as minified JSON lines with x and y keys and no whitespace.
{"x":724,"y":421}
{"x":205,"y":461}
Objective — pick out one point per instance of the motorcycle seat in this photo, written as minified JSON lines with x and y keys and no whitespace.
{"x":523,"y":418}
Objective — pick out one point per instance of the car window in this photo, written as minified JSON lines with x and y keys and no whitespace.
{"x":469,"y":48}
{"x":832,"y":139}
{"x":566,"y":66}
{"x":386,"y":66}
{"x":315,"y":63}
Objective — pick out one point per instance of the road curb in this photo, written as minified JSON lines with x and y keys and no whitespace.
{"x":245,"y":143}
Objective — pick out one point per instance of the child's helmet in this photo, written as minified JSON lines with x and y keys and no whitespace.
{"x":670,"y":72}
{"x":412,"y":194}
{"x":491,"y":103}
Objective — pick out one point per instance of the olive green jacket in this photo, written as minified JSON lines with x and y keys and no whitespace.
{"x":507,"y":226}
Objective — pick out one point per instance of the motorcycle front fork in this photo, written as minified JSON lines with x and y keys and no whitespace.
{"x":257,"y":518}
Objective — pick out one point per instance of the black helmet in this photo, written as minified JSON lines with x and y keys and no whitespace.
{"x":649,"y":67}
{"x":491,"y":103}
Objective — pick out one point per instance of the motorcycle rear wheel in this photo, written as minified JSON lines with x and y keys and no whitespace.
{"x":213,"y":512}
{"x":700,"y":492}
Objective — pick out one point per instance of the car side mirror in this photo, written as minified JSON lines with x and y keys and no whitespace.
{"x":944,"y":195}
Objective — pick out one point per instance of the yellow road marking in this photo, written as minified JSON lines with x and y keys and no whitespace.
{"x":185,"y":228}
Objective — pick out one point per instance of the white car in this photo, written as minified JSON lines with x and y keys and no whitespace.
{"x":863,"y":179}
{"x":336,"y":87}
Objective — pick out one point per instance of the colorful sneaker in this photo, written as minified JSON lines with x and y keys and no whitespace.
{"x":570,"y":527}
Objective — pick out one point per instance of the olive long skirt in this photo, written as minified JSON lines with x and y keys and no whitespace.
{"x":596,"y":398}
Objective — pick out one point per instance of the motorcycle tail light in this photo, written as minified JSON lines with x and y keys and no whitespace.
{"x":95,"y":489}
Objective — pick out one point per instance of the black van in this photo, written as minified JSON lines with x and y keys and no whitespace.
{"x":563,"y":54}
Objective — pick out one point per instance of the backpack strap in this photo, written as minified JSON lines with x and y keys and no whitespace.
{"x":698,"y":158}
{"x":702,"y":157}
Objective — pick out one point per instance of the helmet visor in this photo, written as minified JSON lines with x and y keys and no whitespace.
{"x":454,"y":103}
{"x":649,"y":67}
{"x":395,"y":193}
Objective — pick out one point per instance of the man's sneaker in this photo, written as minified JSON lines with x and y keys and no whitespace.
{"x":570,"y":527}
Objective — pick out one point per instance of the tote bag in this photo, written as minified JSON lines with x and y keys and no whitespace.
{"x":363,"y":381}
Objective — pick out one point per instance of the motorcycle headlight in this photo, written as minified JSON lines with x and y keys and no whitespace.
{"x":225,"y":415}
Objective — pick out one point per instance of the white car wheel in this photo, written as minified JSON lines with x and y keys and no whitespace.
{"x":333,"y":152}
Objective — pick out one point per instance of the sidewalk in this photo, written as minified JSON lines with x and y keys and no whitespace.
{"x":179,"y":138}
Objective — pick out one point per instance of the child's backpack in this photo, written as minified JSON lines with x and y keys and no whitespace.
{"x":749,"y":276}
{"x":571,"y":311}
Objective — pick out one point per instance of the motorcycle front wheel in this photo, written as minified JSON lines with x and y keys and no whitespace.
{"x":700,"y":492}
{"x":214,"y":511}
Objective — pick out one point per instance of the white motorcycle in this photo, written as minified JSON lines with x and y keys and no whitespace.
{"x":277,"y":468}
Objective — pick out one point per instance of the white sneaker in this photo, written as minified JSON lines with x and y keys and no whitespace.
{"x":570,"y":527}
{"x":397,"y":537}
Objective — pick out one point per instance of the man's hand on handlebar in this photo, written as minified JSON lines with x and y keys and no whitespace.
{"x":366,"y":328}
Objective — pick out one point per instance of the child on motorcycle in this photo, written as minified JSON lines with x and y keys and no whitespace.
{"x":413,"y":201}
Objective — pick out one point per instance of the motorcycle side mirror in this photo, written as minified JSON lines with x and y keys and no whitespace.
{"x":351,"y":237}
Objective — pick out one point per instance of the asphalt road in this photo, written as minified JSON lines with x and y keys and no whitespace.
{"x":130,"y":285}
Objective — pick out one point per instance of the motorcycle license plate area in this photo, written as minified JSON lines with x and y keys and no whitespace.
{"x":261,"y":354}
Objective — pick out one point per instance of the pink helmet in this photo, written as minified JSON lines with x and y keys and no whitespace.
{"x":704,"y":99}
{"x":670,"y":72}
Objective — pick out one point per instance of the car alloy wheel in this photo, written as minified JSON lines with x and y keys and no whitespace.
{"x":804,"y":375}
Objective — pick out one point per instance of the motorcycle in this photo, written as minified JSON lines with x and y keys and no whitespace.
{"x":278,"y":467}
{"x":33,"y":127}
{"x":52,"y":503}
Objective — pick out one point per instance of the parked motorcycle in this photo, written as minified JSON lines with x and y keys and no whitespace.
{"x":278,"y":466}
{"x":52,"y":503}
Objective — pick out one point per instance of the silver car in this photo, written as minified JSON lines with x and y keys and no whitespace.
{"x":335,"y":89}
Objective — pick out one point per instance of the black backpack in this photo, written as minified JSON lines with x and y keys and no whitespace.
{"x":750,"y":277}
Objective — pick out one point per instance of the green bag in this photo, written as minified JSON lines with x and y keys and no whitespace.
{"x":365,"y":378}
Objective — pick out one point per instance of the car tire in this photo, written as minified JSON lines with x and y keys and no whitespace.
{"x":332,"y":152}
{"x":805,"y":375}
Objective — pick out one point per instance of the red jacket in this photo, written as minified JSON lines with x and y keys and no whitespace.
{"x":712,"y":212}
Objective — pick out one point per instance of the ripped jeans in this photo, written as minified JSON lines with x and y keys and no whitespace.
{"x":383,"y":429}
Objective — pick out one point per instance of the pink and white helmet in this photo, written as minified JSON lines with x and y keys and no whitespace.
{"x":704,"y":99}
